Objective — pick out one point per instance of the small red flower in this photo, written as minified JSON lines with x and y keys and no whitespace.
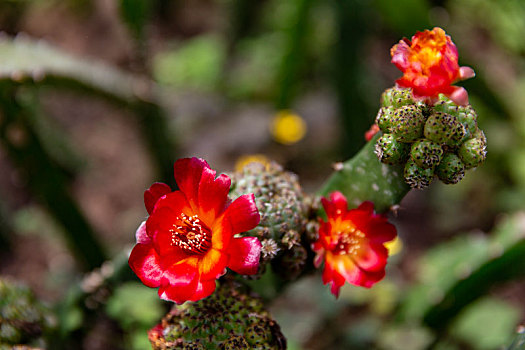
{"x":351,"y":243}
{"x":430,"y":65}
{"x":189,"y":238}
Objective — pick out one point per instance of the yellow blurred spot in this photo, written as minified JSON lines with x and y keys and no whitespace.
{"x":394,"y":246}
{"x":242,"y":161}
{"x":287,"y":128}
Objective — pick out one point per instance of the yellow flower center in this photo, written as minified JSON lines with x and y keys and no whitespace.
{"x":426,"y":49}
{"x":191,"y":234}
{"x":349,"y":241}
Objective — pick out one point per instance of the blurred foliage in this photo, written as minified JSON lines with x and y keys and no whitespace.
{"x":136,"y":309}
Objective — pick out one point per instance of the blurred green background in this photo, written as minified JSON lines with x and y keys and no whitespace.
{"x":99,"y":97}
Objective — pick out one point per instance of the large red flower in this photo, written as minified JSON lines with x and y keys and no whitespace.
{"x":351,"y":243}
{"x":430,"y":66}
{"x":189,"y":238}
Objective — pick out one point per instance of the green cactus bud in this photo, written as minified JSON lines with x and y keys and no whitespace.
{"x":451,"y":170}
{"x":416,"y":176}
{"x":408,"y":123}
{"x":230,"y":318}
{"x":384,"y":119}
{"x":473,"y":152}
{"x":235,"y":342}
{"x":390,"y":151}
{"x":282,"y":205}
{"x":444,"y":129}
{"x":396,"y":97}
{"x":290,"y":264}
{"x":426,"y":154}
{"x":23,"y":320}
{"x":465,"y":114}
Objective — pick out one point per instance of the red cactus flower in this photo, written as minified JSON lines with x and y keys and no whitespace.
{"x":430,"y":65}
{"x":189,"y":238}
{"x":351,"y":243}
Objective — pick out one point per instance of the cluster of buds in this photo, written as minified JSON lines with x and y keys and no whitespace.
{"x":23,"y":320}
{"x":228,"y":319}
{"x":285,"y":216}
{"x":441,"y":139}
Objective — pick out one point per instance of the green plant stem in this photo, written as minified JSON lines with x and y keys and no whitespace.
{"x":45,"y":179}
{"x":6,"y":229}
{"x":294,"y":58}
{"x":509,"y":266}
{"x":365,"y":178}
{"x":352,"y":28}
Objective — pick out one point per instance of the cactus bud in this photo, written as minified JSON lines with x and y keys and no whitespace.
{"x":451,"y":170}
{"x":384,"y":119}
{"x":396,"y":97}
{"x":228,"y":319}
{"x":444,"y":129}
{"x":283,"y":207}
{"x":408,"y":123}
{"x":391,"y":151}
{"x":473,"y":152}
{"x":416,"y":176}
{"x":426,"y":154}
{"x":465,"y":114}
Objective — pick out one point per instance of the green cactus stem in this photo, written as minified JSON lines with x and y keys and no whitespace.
{"x":363,"y":178}
{"x":228,"y":319}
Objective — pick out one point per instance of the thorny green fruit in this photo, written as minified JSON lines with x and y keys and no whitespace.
{"x":447,"y":129}
{"x":396,"y":97}
{"x":451,"y":170}
{"x":444,"y":129}
{"x":23,"y":320}
{"x":285,"y":212}
{"x":407,"y":123}
{"x":416,"y":176}
{"x":426,"y":154}
{"x":473,"y":152}
{"x":228,"y":319}
{"x":391,"y":151}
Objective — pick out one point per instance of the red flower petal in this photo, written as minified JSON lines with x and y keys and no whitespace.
{"x":212,"y":265}
{"x":204,"y":289}
{"x":243,"y":214}
{"x":179,"y":283}
{"x":141,"y":236}
{"x":371,"y":257}
{"x":152,"y":195}
{"x":144,"y":261}
{"x":244,"y":255}
{"x":430,"y":66}
{"x":188,"y":173}
{"x":335,"y":205}
{"x":213,"y":195}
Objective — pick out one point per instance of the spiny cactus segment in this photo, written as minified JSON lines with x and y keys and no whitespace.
{"x":285,"y":213}
{"x":228,"y":319}
{"x":23,"y":320}
{"x":442,"y":140}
